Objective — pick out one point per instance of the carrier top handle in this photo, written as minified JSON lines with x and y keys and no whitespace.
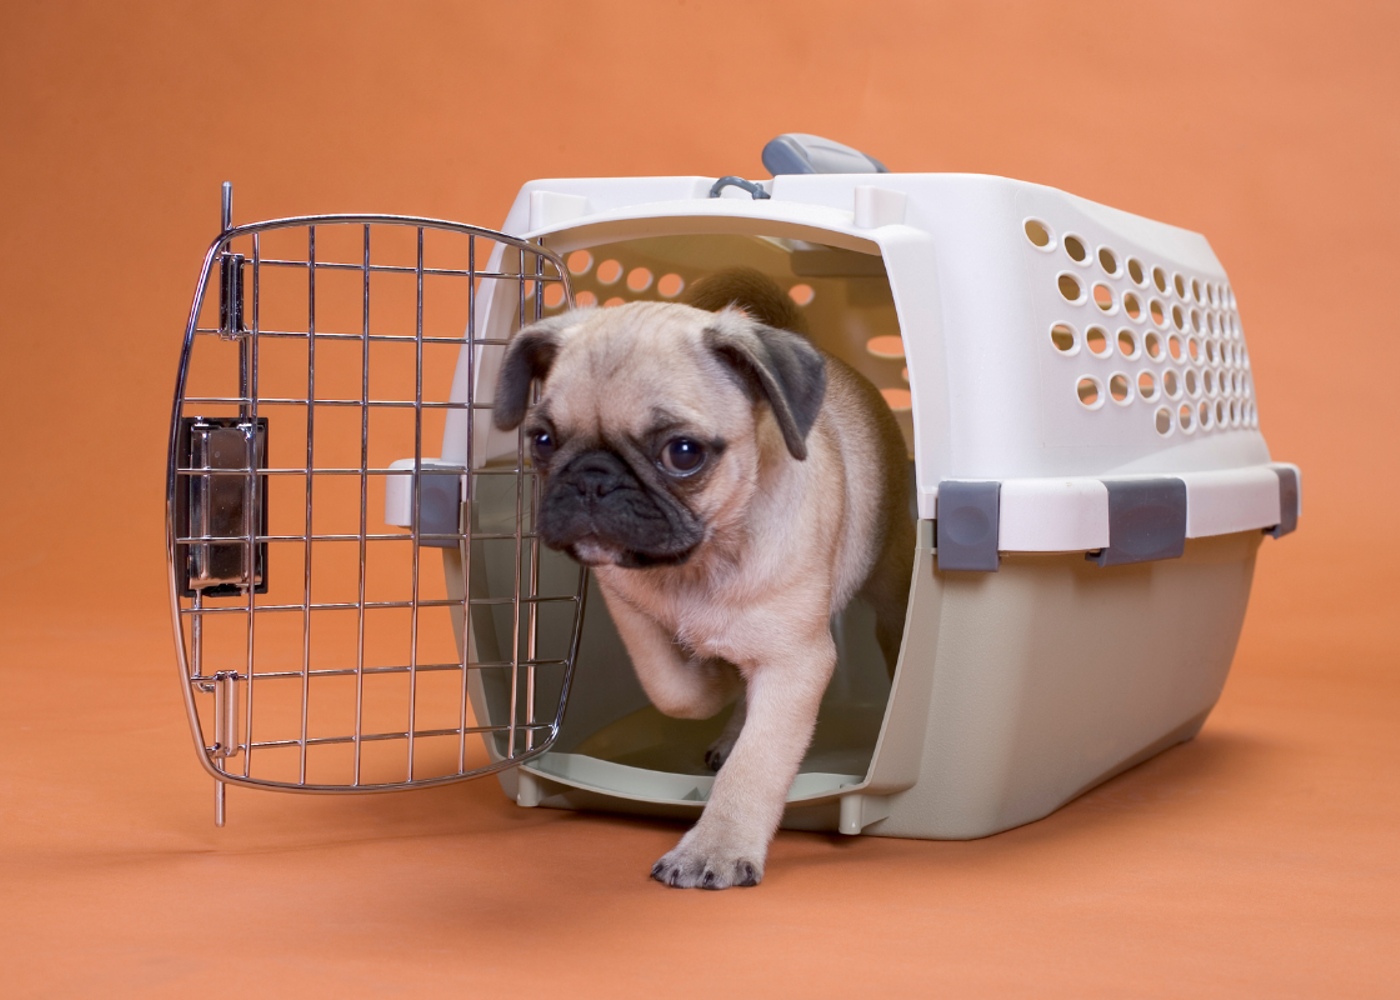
{"x":226,"y":208}
{"x":799,"y":153}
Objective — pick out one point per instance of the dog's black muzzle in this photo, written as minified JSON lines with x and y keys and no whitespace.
{"x":597,"y":495}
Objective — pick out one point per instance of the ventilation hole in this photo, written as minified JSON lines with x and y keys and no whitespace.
{"x":1163,"y":420}
{"x":1120,"y":388}
{"x":890,"y":347}
{"x":1196,"y":292}
{"x":614,"y":301}
{"x":1178,"y":318}
{"x":1192,"y":386}
{"x":1089,"y":392}
{"x":670,"y":285}
{"x":1170,"y":385}
{"x":1127,"y":344}
{"x":1234,"y":414}
{"x":1208,"y":382}
{"x":1159,"y":278}
{"x":1103,"y":298}
{"x":1205,"y":415}
{"x":1196,"y":320}
{"x":609,"y":272}
{"x":1212,"y":324}
{"x":1147,"y":385}
{"x":1096,"y":338}
{"x":1074,"y":246}
{"x":1212,"y":294}
{"x":585,"y":299}
{"x":1248,"y":387}
{"x":1179,"y":283}
{"x":1062,"y":336}
{"x":554,"y":296}
{"x":639,"y":280}
{"x":1158,"y":313}
{"x":899,"y":400}
{"x":1174,"y":347}
{"x":1220,"y":412}
{"x":1184,"y":419}
{"x":1108,"y":261}
{"x":580,"y":262}
{"x":1132,"y":305}
{"x":802,"y":294}
{"x":1152,"y":344}
{"x":1038,"y":233}
{"x":1070,"y":288}
{"x":1210,"y":351}
{"x":1193,"y":349}
{"x":1135,"y":271}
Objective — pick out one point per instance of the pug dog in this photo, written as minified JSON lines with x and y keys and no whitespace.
{"x":732,"y":488}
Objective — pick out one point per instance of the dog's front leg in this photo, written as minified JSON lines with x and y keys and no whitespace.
{"x":679,"y":685}
{"x":730,"y":843}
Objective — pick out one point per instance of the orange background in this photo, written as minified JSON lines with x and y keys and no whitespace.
{"x":1261,"y":859}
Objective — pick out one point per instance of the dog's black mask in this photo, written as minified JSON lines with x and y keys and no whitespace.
{"x":597,"y":495}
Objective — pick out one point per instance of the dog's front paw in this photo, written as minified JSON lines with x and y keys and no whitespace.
{"x":689,"y":866}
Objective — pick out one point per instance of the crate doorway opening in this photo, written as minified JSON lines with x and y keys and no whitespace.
{"x":613,"y":742}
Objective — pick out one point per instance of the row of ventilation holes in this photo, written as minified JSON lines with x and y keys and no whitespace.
{"x":640,"y":279}
{"x":1221,"y":345}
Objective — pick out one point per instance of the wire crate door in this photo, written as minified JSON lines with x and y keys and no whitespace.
{"x":352,"y":610}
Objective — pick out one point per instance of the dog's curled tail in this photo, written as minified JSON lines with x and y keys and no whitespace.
{"x":750,"y":290}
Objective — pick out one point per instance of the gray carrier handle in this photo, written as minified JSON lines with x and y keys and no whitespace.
{"x":800,"y":153}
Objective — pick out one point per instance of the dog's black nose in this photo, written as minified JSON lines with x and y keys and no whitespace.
{"x":596,"y":473}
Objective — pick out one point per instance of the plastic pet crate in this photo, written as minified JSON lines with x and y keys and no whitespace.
{"x":1090,"y":484}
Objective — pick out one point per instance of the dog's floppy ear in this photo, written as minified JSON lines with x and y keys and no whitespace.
{"x":778,"y":366}
{"x":529,"y":356}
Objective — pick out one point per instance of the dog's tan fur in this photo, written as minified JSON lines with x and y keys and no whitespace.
{"x":787,"y":543}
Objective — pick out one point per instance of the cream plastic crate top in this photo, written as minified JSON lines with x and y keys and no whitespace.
{"x":1050,"y":342}
{"x":1090,"y":484}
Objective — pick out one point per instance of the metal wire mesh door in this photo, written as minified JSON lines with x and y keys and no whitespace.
{"x":352,"y":613}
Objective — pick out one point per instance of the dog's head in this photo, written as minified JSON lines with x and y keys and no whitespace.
{"x":653,"y":423}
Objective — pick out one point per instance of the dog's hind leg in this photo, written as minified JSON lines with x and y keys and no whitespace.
{"x":887,"y":590}
{"x":718,"y":751}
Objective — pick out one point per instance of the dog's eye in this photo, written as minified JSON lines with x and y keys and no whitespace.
{"x":542,"y":445}
{"x":682,"y":456}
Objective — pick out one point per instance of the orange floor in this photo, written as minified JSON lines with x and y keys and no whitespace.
{"x":1262,"y":859}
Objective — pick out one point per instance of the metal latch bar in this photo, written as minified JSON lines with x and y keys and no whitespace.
{"x":227,"y":501}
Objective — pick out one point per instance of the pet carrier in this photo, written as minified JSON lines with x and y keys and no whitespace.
{"x":1090,"y":487}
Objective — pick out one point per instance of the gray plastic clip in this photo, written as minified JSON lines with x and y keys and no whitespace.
{"x":1146,"y":521}
{"x":440,"y":508}
{"x":1287,"y":503}
{"x":969,"y":524}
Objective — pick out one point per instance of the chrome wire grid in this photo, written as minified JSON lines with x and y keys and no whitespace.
{"x":320,"y":649}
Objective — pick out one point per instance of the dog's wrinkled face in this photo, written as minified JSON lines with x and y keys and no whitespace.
{"x":648,"y":425}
